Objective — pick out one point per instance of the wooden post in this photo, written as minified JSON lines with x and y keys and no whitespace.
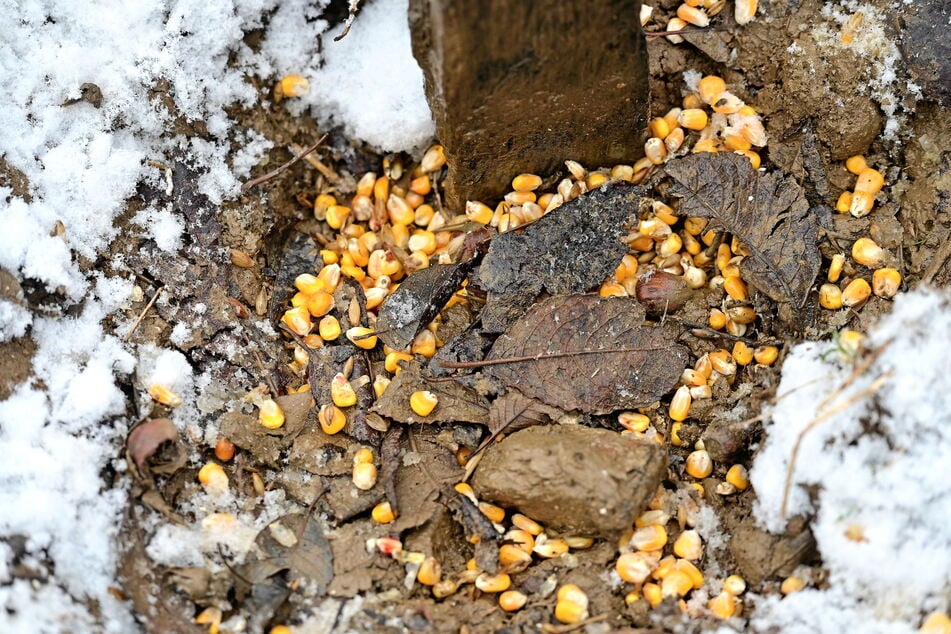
{"x":522,"y":85}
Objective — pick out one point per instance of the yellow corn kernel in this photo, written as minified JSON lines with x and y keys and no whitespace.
{"x":213,"y":477}
{"x":856,"y":292}
{"x":738,"y":143}
{"x":318,"y":305}
{"x":382,"y":513}
{"x":380,"y":383}
{"x":736,"y":288}
{"x":270,"y":413}
{"x":754,"y":157}
{"x":705,"y":145}
{"x":294,"y":86}
{"x":722,"y":361}
{"x":734,"y":585}
{"x":493,"y":583}
{"x":867,"y":253}
{"x":424,"y":215}
{"x":463,"y":488}
{"x":612,"y":289}
{"x":392,"y":360}
{"x":675,"y":428}
{"x":211,"y":617}
{"x":676,"y":584}
{"x":659,"y":127}
{"x":328,"y":328}
{"x":692,"y":572}
{"x":692,"y":101}
{"x":491,"y":511}
{"x":298,"y":300}
{"x":655,"y":150}
{"x":164,"y":395}
{"x":550,"y":548}
{"x":856,"y":164}
{"x":336,"y":216}
{"x":331,"y":419}
{"x":280,"y":629}
{"x":652,"y":593}
{"x":512,"y":600}
{"x":830,"y":296}
{"x":738,"y":477}
{"x":527,"y":524}
{"x":844,"y":203}
{"x":423,"y":402}
{"x":688,"y":545}
{"x":766,"y":355}
{"x":745,"y":11}
{"x":870,"y":181}
{"x":742,"y":314}
{"x":521,"y":539}
{"x":680,"y":404}
{"x":399,"y":211}
{"x":342,"y":392}
{"x":308,"y":284}
{"x":362,"y":337}
{"x":862,"y":204}
{"x":433,"y":160}
{"x":512,"y":555}
{"x":364,"y":475}
{"x":595,"y":180}
{"x":717,"y":319}
{"x":526,"y":182}
{"x":424,"y":344}
{"x":569,"y":613}
{"x":421,"y":185}
{"x":698,"y":464}
{"x":671,"y":245}
{"x":886,"y":282}
{"x":635,"y":567}
{"x":649,"y":538}
{"x":742,"y":353}
{"x":633,"y":421}
{"x":693,"y":119}
{"x":791,"y":585}
{"x":571,"y":592}
{"x":723,"y":605}
{"x":579,"y":542}
{"x":297,"y":320}
{"x":936,"y":623}
{"x":430,"y":572}
{"x":711,"y":87}
{"x":835,"y":267}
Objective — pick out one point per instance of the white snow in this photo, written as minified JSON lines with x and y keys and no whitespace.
{"x":882,"y":503}
{"x":62,"y":430}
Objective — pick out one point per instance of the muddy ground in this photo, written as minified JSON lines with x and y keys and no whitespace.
{"x":817,"y":113}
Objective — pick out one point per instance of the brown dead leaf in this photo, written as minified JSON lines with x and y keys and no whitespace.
{"x":145,"y":439}
{"x":767,"y":212}
{"x":587,"y":353}
{"x":294,"y":543}
{"x":456,"y":402}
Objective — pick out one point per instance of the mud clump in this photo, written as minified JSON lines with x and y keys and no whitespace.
{"x":571,"y":478}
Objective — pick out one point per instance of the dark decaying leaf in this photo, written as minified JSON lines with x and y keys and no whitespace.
{"x":569,"y":250}
{"x":767,"y":212}
{"x":588,"y":353}
{"x":294,"y":543}
{"x":513,"y":411}
{"x":418,"y":299}
{"x":427,"y":466}
{"x":456,"y":402}
{"x":390,"y":461}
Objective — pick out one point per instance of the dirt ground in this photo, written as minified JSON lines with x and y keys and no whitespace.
{"x":817,"y":111}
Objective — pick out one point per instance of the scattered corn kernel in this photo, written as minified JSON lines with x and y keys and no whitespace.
{"x":856,"y":292}
{"x":382,"y":513}
{"x":723,"y":605}
{"x":680,"y":404}
{"x":362,"y":337}
{"x":342,"y":392}
{"x":527,"y":524}
{"x":738,"y":477}
{"x":512,"y":600}
{"x":867,"y":253}
{"x":213,"y":477}
{"x":886,"y":282}
{"x":688,"y":545}
{"x":734,"y":585}
{"x":830,"y":296}
{"x":430,"y":572}
{"x":742,"y":353}
{"x":693,"y":119}
{"x":364,"y":475}
{"x":649,"y":538}
{"x":791,"y":585}
{"x":844,"y":202}
{"x":856,"y":164}
{"x":294,"y":86}
{"x":862,"y":204}
{"x":699,"y":465}
{"x":493,"y":583}
{"x":332,"y":419}
{"x":869,"y":181}
{"x":936,"y":623}
{"x":744,"y":11}
{"x":423,"y":402}
{"x":270,"y":414}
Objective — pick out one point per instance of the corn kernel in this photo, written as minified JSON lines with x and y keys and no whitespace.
{"x":870,"y":181}
{"x":693,"y":119}
{"x":433,"y":160}
{"x":734,"y":585}
{"x":512,"y":600}
{"x":723,"y":605}
{"x":728,"y":103}
{"x":936,"y":623}
{"x":676,"y":584}
{"x":680,"y":404}
{"x":164,"y":395}
{"x":392,"y":360}
{"x":213,"y":478}
{"x":649,"y":538}
{"x":675,"y":24}
{"x":445,"y":588}
{"x":766,"y":355}
{"x":886,"y":282}
{"x":659,"y":128}
{"x":328,"y":328}
{"x":722,"y":361}
{"x":430,"y":572}
{"x":423,"y":402}
{"x":362,"y":337}
{"x":692,"y":572}
{"x":297,"y":320}
{"x":717,"y":319}
{"x":862,"y":204}
{"x":270,"y":414}
{"x":579,"y":542}
{"x":491,"y":511}
{"x":318,"y":305}
{"x":867,"y":253}
{"x":633,"y":421}
{"x":574,"y":594}
{"x":550,"y":548}
{"x":512,"y":555}
{"x":280,"y":629}
{"x":844,"y":203}
{"x":424,"y":344}
{"x":830,"y":296}
{"x":738,"y":477}
{"x":526,"y":182}
{"x":688,"y":545}
{"x":736,"y":289}
{"x":294,"y":86}
{"x":655,"y":150}
{"x":698,"y":464}
{"x":856,"y":164}
{"x":382,"y":513}
{"x":754,"y":157}
{"x":711,"y":87}
{"x":342,"y":392}
{"x":791,"y":585}
{"x":336,"y":216}
{"x":364,"y":475}
{"x":493,"y":583}
{"x":331,"y":419}
{"x":527,"y":524}
{"x":856,"y":292}
{"x":652,"y":593}
{"x":380,"y":383}
{"x":745,"y":11}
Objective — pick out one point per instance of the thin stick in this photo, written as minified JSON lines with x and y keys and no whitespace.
{"x":871,"y":389}
{"x":939,"y":259}
{"x":144,"y":311}
{"x":537,"y":357}
{"x":275,"y":172}
{"x":325,"y":170}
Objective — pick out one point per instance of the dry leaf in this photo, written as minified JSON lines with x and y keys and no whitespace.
{"x":145,"y":439}
{"x":456,"y":402}
{"x":588,"y":353}
{"x":767,"y":212}
{"x":569,"y":250}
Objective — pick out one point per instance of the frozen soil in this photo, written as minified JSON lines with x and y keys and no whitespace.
{"x":815,"y":97}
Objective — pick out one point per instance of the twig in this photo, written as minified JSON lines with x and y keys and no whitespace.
{"x":354,"y":4}
{"x":144,"y":311}
{"x":325,"y":170}
{"x":275,"y":172}
{"x":840,"y":407}
{"x":939,"y":259}
{"x":538,"y":357}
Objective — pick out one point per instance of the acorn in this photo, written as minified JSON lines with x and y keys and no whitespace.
{"x":661,"y":292}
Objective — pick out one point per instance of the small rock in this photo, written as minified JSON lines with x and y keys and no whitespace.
{"x":571,"y":478}
{"x":760,"y":554}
